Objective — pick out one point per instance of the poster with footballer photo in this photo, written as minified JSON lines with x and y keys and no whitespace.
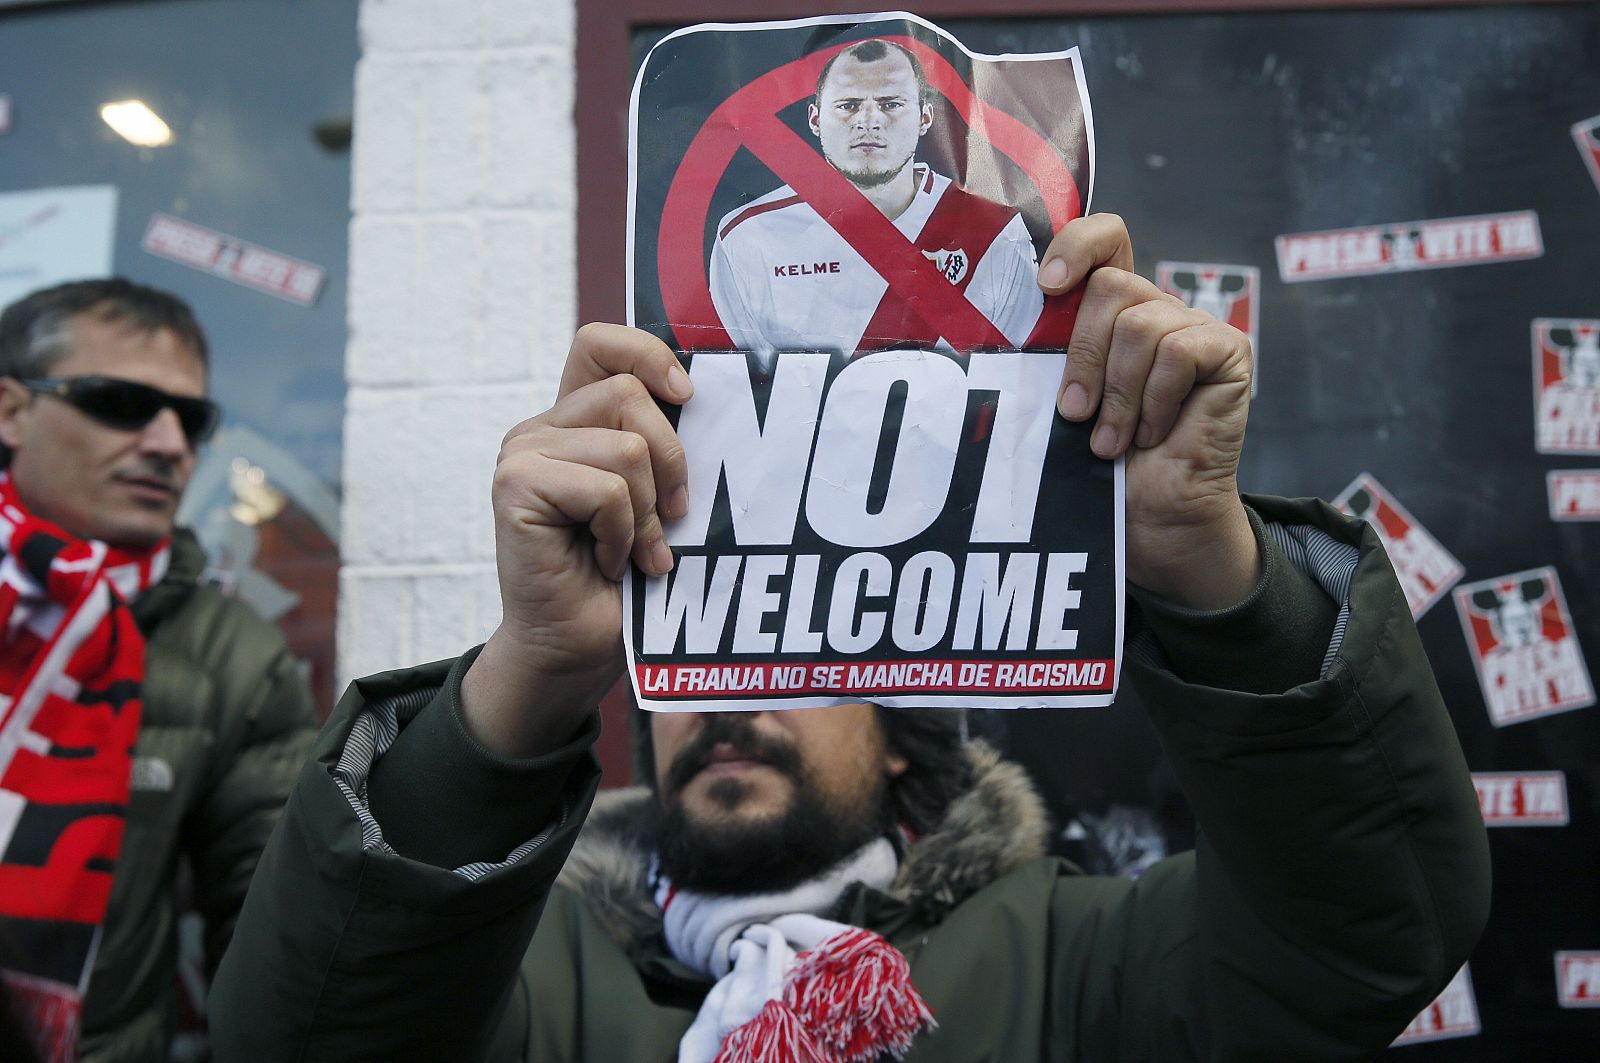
{"x":837,"y":224}
{"x":1426,"y":569}
{"x":1524,"y":646}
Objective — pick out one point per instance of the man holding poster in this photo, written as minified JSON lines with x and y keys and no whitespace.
{"x":828,"y":884}
{"x":849,"y":879}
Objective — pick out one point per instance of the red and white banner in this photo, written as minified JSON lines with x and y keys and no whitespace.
{"x":1524,"y":646}
{"x":1426,"y":569}
{"x":1522,"y":799}
{"x":1586,"y":134}
{"x":233,"y":259}
{"x":1578,"y":979}
{"x":1409,"y":245}
{"x":1574,"y":494}
{"x":1566,"y":385}
{"x":1228,"y":293}
{"x":1453,"y":1013}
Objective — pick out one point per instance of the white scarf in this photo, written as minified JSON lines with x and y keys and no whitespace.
{"x":793,"y":987}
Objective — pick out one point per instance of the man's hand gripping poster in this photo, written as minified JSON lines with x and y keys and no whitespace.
{"x":837,"y":224}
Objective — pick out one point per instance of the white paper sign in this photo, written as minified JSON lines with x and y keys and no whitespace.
{"x":51,"y":235}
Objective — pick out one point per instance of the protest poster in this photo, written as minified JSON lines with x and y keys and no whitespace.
{"x":1229,"y":293}
{"x":1566,"y":386}
{"x":1426,"y":570}
{"x":1453,"y":1013}
{"x":1524,"y":646}
{"x":837,"y":223}
{"x":1586,"y":134}
{"x":1574,"y":494}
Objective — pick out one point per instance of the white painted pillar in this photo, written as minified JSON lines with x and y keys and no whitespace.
{"x":463,"y":298}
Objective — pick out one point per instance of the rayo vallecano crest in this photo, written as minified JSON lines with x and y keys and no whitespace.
{"x":953,"y":264}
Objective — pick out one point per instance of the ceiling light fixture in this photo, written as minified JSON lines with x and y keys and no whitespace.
{"x":136,"y":123}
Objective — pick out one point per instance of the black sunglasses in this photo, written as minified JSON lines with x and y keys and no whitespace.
{"x":130,"y":406}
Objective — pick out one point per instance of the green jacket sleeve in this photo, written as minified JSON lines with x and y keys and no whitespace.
{"x":263,"y":746}
{"x":348,"y":950}
{"x":1342,"y":874}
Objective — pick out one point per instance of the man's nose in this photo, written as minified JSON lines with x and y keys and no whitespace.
{"x":164,"y":436}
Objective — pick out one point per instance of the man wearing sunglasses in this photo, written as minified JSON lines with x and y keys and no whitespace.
{"x":113,"y":643}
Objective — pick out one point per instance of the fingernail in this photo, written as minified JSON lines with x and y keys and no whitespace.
{"x":660,"y":557}
{"x":678,"y":383}
{"x":1146,"y":435}
{"x":1054,"y":274}
{"x":1075,"y":402}
{"x":1104,"y":442}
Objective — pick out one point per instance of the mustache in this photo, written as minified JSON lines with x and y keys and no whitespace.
{"x":150,"y":467}
{"x":732,"y":729}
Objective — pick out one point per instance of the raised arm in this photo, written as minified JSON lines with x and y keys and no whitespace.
{"x":1342,"y":872}
{"x":578,"y":490}
{"x":1169,"y":387}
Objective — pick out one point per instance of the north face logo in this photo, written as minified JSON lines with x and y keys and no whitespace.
{"x":153,"y":774}
{"x":953,"y":264}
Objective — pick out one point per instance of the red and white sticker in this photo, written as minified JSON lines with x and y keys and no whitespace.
{"x":1228,"y":293}
{"x":1426,"y":569}
{"x":1566,"y":385}
{"x":1453,"y":1013}
{"x":1524,"y":646}
{"x":1586,"y":134}
{"x":1522,"y":799}
{"x":233,"y":259}
{"x":1574,"y":494}
{"x":1409,"y":245}
{"x":5,"y":115}
{"x":1578,"y":979}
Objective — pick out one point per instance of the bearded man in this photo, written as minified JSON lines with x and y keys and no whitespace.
{"x":853,"y":884}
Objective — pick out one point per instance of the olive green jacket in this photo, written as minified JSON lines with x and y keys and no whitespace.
{"x":1341,"y":879}
{"x":226,"y":726}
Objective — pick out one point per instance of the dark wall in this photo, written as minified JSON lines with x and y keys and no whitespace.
{"x":1217,"y":134}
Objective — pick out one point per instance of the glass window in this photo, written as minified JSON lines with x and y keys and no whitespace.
{"x":244,"y":213}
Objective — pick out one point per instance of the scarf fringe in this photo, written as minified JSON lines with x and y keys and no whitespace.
{"x":849,"y":1000}
{"x":854,"y":991}
{"x":775,"y":1035}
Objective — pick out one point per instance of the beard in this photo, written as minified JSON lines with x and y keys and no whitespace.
{"x":873,"y":178}
{"x":766,"y":855}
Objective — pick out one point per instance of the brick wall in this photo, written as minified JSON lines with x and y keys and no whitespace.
{"x":462,"y":302}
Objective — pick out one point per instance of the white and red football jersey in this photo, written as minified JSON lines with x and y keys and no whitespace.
{"x":784,"y":279}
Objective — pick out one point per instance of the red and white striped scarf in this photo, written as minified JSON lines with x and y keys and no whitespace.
{"x":793,"y":987}
{"x":71,"y":670}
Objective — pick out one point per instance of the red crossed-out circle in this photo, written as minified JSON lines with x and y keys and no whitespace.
{"x":749,"y":119}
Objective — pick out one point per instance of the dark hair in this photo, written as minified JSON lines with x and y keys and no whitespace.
{"x":34,"y":330}
{"x":870,"y":52}
{"x":933,"y":741}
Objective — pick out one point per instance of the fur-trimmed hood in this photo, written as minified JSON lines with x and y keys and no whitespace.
{"x":996,"y":826}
